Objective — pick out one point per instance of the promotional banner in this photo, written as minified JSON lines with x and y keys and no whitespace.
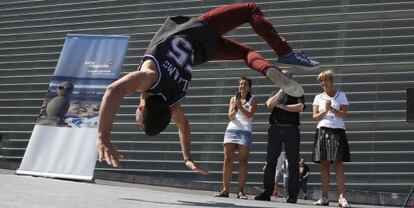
{"x":62,"y":144}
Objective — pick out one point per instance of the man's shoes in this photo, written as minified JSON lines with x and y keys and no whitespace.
{"x":288,"y":85}
{"x":291,"y":200}
{"x":262,"y":197}
{"x":299,"y":60}
{"x":322,"y":202}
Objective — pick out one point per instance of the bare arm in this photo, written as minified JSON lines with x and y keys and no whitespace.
{"x":273,"y":100}
{"x":181,"y":121}
{"x":140,"y":108}
{"x":292,"y":107}
{"x":316,"y":115}
{"x":114,"y":94}
{"x":342,"y":112}
{"x":248,"y":112}
{"x":232,"y":109}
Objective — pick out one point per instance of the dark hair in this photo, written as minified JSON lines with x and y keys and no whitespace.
{"x":156,"y":115}
{"x":249,"y":81}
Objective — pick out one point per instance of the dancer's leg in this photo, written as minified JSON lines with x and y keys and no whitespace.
{"x":230,"y":50}
{"x":226,"y":18}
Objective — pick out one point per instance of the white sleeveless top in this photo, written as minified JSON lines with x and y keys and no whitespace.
{"x":241,"y":122}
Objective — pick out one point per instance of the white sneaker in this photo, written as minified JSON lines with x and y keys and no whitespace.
{"x":288,"y":85}
{"x":322,"y":202}
{"x":343,"y":203}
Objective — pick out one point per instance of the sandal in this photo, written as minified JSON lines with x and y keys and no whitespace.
{"x":322,"y":202}
{"x":222,"y":193}
{"x":343,"y":203}
{"x":241,"y":195}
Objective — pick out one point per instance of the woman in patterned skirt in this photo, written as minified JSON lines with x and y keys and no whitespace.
{"x":331,"y":145}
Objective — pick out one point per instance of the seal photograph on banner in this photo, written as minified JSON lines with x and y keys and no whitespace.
{"x":62,"y":143}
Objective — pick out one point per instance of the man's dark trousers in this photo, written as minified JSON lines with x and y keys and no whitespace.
{"x":288,"y":135}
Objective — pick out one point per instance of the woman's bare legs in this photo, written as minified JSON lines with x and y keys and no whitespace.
{"x":340,"y":177}
{"x":325,"y":169}
{"x":243,"y":159}
{"x":229,"y":150}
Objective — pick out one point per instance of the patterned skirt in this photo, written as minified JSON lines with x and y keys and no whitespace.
{"x":330,"y":144}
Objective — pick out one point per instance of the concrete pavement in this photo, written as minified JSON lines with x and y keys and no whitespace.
{"x":37,"y":192}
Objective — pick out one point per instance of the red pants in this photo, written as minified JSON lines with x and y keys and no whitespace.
{"x":226,"y":18}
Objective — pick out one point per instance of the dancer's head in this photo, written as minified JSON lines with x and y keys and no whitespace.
{"x":156,"y":115}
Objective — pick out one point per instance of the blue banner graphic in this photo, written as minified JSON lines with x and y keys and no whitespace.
{"x":88,"y":64}
{"x":62,"y":143}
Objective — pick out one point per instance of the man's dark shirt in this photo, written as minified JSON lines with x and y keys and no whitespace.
{"x":279,"y":116}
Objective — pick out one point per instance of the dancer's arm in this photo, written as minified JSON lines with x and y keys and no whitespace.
{"x":140,"y":108}
{"x":181,"y":121}
{"x":114,"y":94}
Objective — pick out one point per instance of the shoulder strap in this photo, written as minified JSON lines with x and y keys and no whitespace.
{"x":250,"y":100}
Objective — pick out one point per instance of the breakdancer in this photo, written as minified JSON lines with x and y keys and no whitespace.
{"x":164,"y":74}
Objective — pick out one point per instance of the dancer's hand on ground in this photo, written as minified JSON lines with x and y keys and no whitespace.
{"x":194,"y":167}
{"x":108,"y":152}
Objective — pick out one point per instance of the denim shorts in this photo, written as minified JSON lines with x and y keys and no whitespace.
{"x":234,"y":136}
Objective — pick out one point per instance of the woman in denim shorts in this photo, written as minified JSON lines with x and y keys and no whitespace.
{"x":238,"y":136}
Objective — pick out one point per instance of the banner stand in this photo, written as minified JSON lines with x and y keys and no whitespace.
{"x":63,"y":141}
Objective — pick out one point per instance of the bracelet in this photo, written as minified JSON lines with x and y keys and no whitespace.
{"x":188,"y":159}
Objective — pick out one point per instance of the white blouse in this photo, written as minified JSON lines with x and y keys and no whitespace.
{"x":330,"y":120}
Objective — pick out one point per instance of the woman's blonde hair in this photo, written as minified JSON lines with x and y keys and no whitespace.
{"x":326,"y":74}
